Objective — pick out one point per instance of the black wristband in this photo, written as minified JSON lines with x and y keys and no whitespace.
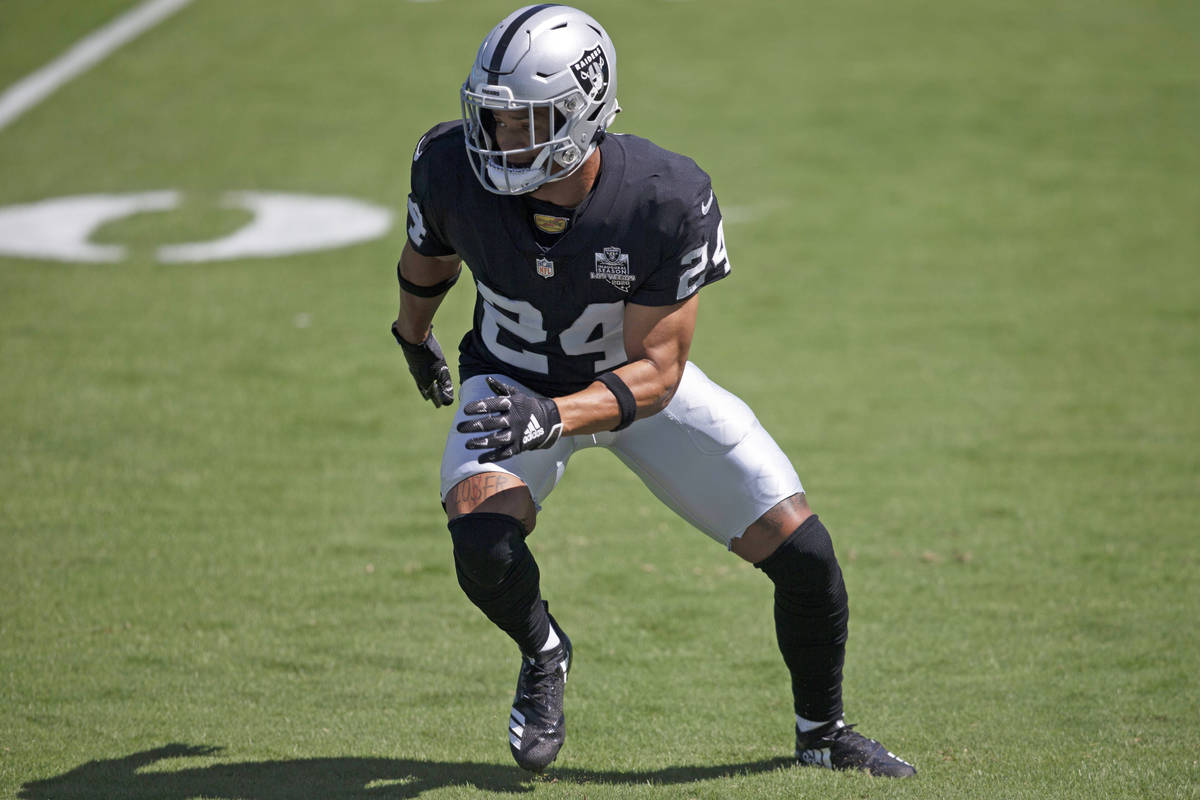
{"x":426,"y":291}
{"x":625,"y":400}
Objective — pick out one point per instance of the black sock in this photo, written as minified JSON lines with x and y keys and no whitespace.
{"x":499,"y":575}
{"x":811,"y":614}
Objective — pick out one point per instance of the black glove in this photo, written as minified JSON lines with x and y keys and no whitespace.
{"x":428,"y":368}
{"x":516,"y":421}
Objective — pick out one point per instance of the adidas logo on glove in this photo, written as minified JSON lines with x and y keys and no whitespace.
{"x":532,"y":431}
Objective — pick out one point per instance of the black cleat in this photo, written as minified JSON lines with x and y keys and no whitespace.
{"x":536,"y":725}
{"x":838,"y":746}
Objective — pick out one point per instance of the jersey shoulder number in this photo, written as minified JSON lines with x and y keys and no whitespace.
{"x":701,"y":267}
{"x":432,"y":167}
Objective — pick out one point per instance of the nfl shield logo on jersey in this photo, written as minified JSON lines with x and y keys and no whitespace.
{"x":613,"y":266}
{"x":545,"y":267}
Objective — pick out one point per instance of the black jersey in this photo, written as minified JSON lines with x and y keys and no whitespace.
{"x":551,"y":317}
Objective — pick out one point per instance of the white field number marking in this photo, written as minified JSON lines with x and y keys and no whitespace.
{"x":59,"y":229}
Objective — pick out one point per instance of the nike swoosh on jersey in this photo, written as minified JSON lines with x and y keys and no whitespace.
{"x":420,"y":147}
{"x":707,"y":204}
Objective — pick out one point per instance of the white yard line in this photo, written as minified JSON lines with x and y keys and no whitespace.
{"x":95,"y":47}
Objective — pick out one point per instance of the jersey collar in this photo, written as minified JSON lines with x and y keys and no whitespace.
{"x":589,"y":219}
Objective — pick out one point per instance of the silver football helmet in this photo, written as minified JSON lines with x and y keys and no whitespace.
{"x":550,"y":57}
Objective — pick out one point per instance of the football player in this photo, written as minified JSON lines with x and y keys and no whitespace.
{"x":588,"y":250}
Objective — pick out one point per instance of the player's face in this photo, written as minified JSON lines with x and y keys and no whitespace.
{"x":513,"y":132}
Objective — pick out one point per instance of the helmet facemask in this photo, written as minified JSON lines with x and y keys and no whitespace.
{"x":523,"y":169}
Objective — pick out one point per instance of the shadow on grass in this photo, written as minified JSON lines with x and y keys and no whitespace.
{"x":333,"y":778}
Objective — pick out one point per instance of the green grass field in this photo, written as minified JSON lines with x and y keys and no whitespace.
{"x":966,"y":301}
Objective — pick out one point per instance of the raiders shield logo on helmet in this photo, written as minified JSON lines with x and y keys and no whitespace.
{"x":591,"y":73}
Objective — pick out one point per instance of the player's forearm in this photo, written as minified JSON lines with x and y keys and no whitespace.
{"x":596,"y":409}
{"x":424,"y":281}
{"x":416,"y":316}
{"x":657,"y":339}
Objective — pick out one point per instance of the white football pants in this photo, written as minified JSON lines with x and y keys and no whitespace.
{"x":706,"y":456}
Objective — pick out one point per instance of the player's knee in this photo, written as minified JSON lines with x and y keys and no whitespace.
{"x":487,"y":547}
{"x":492,"y":493}
{"x":805,"y":561}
